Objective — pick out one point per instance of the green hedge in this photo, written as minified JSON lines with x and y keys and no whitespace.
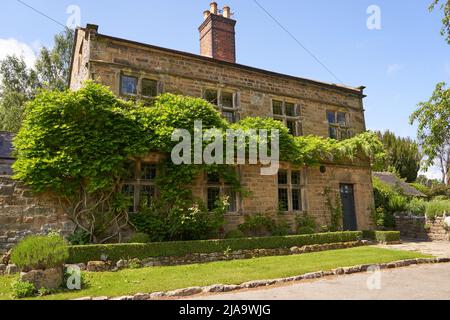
{"x":115,"y":252}
{"x":382,"y":236}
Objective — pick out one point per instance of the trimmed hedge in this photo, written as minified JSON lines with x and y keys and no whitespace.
{"x":115,"y":252}
{"x":382,"y":236}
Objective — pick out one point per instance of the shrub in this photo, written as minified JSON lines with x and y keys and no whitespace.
{"x":139,"y":238}
{"x":437,"y":208}
{"x":382,"y":236}
{"x":22,"y":289}
{"x":235,"y":234}
{"x":115,"y":252}
{"x":258,"y":225}
{"x":305,"y":224}
{"x":417,"y":206}
{"x":422,"y":188}
{"x":79,"y":237}
{"x":40,"y":252}
{"x":397,"y":203}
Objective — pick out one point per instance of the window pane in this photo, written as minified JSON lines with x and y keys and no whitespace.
{"x":213,"y":178}
{"x":277,"y":107}
{"x":296,"y":200}
{"x":229,"y":116}
{"x":345,"y":134}
{"x":149,"y":88}
{"x":148,"y":172}
{"x":130,"y":170}
{"x":232,"y":199}
{"x":146,"y":196}
{"x":292,"y":127}
{"x":331,"y":116}
{"x":128,"y":191}
{"x":282,"y":177}
{"x":213,"y":197}
{"x":227,"y":100}
{"x":333,"y":132}
{"x":296,"y":176}
{"x":341,"y":118}
{"x":290,"y":110}
{"x":129,"y":85}
{"x":211,"y":96}
{"x":283,"y":200}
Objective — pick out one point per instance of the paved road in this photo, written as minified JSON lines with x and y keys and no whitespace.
{"x":415,"y":282}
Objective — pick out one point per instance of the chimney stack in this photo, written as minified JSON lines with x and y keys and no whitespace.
{"x":217,"y":34}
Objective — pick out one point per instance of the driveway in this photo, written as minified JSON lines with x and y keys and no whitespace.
{"x":440,"y":249}
{"x":422,"y":282}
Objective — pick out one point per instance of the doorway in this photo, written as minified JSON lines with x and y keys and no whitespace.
{"x":348,"y":207}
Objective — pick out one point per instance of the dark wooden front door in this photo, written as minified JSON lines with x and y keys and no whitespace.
{"x":348,"y":207}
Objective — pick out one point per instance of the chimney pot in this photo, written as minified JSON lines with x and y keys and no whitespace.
{"x":213,"y":9}
{"x":227,"y":12}
{"x":206,"y":14}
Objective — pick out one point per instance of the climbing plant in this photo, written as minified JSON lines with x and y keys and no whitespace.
{"x":75,"y":144}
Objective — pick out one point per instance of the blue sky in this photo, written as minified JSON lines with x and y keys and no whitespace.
{"x":399,"y":64}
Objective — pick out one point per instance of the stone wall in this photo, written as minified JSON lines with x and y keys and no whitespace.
{"x":415,"y":227}
{"x":22,"y":214}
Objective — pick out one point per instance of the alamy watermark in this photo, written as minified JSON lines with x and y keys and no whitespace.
{"x":236,"y":151}
{"x":374,"y":19}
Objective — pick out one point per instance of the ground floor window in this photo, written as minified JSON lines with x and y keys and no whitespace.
{"x":217,"y":188}
{"x":290,"y":191}
{"x":139,"y":185}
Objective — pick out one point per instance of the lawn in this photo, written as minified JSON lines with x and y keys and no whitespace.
{"x":156,"y":279}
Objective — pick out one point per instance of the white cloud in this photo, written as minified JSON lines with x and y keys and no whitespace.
{"x":14,"y":47}
{"x":393,"y":69}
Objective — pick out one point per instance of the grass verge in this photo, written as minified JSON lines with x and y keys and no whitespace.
{"x":131,"y":281}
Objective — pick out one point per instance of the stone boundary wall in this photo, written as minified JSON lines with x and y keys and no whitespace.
{"x":418,"y":227}
{"x":23,"y":214}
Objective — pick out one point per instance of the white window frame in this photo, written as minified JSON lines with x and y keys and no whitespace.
{"x":139,"y":79}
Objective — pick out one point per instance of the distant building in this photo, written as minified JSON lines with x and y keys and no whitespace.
{"x":393,"y":181}
{"x":6,"y":150}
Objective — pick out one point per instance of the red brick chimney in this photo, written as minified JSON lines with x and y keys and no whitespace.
{"x":217,"y":34}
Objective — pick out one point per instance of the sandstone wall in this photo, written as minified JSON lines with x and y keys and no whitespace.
{"x":422,"y":228}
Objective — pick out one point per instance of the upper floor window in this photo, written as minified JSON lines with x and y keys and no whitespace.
{"x":290,"y":190}
{"x":217,"y":188}
{"x":139,"y":185}
{"x":133,"y":86}
{"x":338,"y":125}
{"x":289,"y":114}
{"x":227,"y":102}
{"x":128,"y":85}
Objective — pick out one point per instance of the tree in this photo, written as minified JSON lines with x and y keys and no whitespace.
{"x":433,"y":118}
{"x":402,"y":156}
{"x":445,"y":6}
{"x":20,"y":83}
{"x":53,"y":65}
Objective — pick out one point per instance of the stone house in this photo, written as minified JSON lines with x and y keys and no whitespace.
{"x":305,"y":106}
{"x":6,"y":150}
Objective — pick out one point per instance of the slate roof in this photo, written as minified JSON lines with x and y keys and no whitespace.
{"x":392,"y":180}
{"x":6,"y":147}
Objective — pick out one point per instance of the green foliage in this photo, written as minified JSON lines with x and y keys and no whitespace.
{"x":19,"y":83}
{"x":305,"y":224}
{"x":382,"y":236}
{"x":437,"y":208}
{"x":20,"y":289}
{"x":261,"y":225}
{"x":139,"y":238}
{"x":79,"y":237}
{"x":422,"y":188}
{"x":40,"y":253}
{"x":234,"y":234}
{"x":433,"y":118}
{"x":115,"y":252}
{"x":416,"y":206}
{"x":193,"y":223}
{"x":335,"y":209}
{"x":388,"y":201}
{"x":445,"y":7}
{"x":402,"y":156}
